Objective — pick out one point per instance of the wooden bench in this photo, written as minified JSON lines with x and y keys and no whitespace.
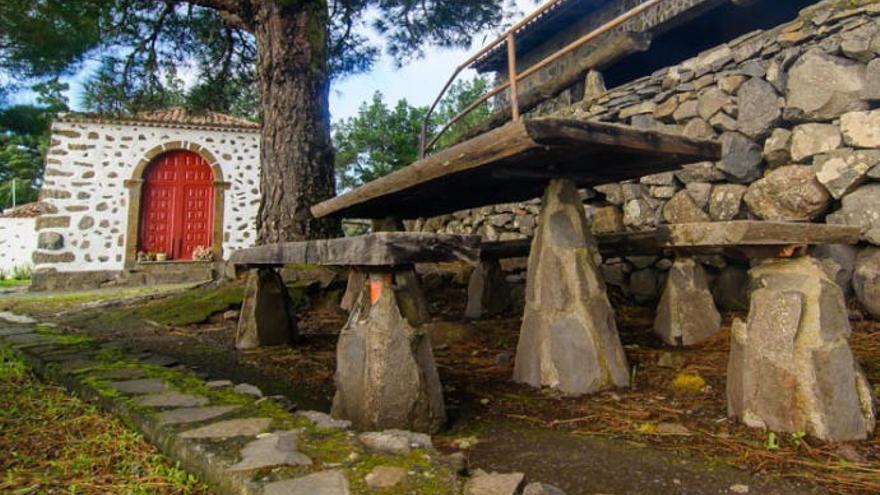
{"x":382,"y":337}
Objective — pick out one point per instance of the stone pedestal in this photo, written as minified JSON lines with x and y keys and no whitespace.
{"x":568,"y":339}
{"x":356,"y":281}
{"x":686,"y":314}
{"x":791,"y":368}
{"x":267,"y":315}
{"x":385,"y":372}
{"x":488,"y":291}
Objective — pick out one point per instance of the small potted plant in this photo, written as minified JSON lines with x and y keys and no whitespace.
{"x":203,"y":253}
{"x":161,"y":257}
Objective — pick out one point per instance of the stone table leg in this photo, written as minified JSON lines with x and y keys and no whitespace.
{"x":488,"y":291}
{"x":267,"y":316}
{"x":568,"y":339}
{"x":686,"y":314}
{"x":385,"y":372}
{"x":791,"y":368}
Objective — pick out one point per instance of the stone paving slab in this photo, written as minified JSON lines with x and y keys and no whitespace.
{"x":117,"y":373}
{"x":322,"y":483}
{"x":230,"y":428}
{"x":5,"y":332}
{"x":171,"y":399}
{"x":142,"y":386}
{"x":273,"y":449}
{"x":194,"y":414}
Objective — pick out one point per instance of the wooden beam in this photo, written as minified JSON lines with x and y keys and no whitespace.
{"x":381,"y":249}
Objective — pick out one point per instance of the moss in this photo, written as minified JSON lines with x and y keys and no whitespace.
{"x":192,"y":306}
{"x":688,"y":383}
{"x":66,"y":339}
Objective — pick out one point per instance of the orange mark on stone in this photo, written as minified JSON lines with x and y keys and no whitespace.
{"x":378,"y":282}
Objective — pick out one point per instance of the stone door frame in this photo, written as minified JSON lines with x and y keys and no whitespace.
{"x":135,"y":187}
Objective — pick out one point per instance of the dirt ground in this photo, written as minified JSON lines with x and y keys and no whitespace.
{"x":669,"y":433}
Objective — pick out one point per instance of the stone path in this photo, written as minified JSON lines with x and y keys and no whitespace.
{"x":228,"y":433}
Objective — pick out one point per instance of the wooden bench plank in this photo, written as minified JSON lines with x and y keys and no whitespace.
{"x":704,"y":237}
{"x":514,"y":163}
{"x":380,"y":249}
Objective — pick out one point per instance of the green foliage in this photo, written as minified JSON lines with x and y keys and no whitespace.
{"x":380,"y":140}
{"x":191,"y":306}
{"x":772,"y":441}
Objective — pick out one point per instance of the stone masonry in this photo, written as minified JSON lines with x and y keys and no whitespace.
{"x":797,"y":110}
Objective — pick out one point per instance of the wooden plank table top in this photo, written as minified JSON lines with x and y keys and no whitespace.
{"x":514,"y":163}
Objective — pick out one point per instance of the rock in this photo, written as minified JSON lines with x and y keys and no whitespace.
{"x":221,"y":430}
{"x":759,"y":109}
{"x":861,"y":129}
{"x":171,"y":399}
{"x":568,"y":338}
{"x":811,"y":139}
{"x":385,"y":374}
{"x":542,"y":489}
{"x":276,"y":449}
{"x":699,"y":172}
{"x":594,"y":85}
{"x":661,"y":179}
{"x":698,"y":129}
{"x":143,"y":386}
{"x":861,"y":207}
{"x":872,"y":81}
{"x":822,"y":86}
{"x":686,"y":314}
{"x":194,"y":414}
{"x":731,"y":289}
{"x":53,"y":241}
{"x":324,"y":420}
{"x":395,"y":442}
{"x":673,"y":429}
{"x":267,"y":314}
{"x":857,"y":46}
{"x":230,"y":315}
{"x":638,"y":109}
{"x":607,"y":220}
{"x":791,"y":368}
{"x":789,"y":193}
{"x":700,"y":192}
{"x":740,"y":157}
{"x":866,"y":280}
{"x":382,"y":477}
{"x":731,"y":84}
{"x":739,"y":488}
{"x":488,"y":291}
{"x":711,"y":102}
{"x":844,"y":170}
{"x":643,"y":285}
{"x":320,"y":483}
{"x":682,"y":209}
{"x":838,"y":261}
{"x":686,"y":111}
{"x":218,"y":383}
{"x":248,"y":389}
{"x":777,"y":148}
{"x":723,"y":122}
{"x":483,"y":483}
{"x":665,"y":111}
{"x":613,"y":193}
{"x":638,"y":213}
{"x":726,"y":201}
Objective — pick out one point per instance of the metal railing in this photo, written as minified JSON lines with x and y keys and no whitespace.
{"x":513,"y":76}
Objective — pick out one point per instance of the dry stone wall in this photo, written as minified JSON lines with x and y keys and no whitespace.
{"x":797,"y":111}
{"x":87,"y":167}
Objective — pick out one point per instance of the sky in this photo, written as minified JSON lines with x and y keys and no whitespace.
{"x":419,"y":82}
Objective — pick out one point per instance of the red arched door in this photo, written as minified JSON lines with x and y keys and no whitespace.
{"x":177,"y":205}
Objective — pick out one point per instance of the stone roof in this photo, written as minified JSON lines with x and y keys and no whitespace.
{"x":168,"y":117}
{"x":29,"y":210}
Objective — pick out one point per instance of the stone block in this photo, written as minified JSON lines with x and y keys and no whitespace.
{"x":568,"y":338}
{"x":686,"y":314}
{"x":866,"y":280}
{"x":488,"y":291}
{"x":822,"y":87}
{"x":789,"y":193}
{"x":52,"y":241}
{"x":791,"y":368}
{"x":861,"y":129}
{"x":267,"y":314}
{"x":811,"y":139}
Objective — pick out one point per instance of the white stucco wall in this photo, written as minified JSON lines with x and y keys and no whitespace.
{"x":18,"y":239}
{"x":86,"y":169}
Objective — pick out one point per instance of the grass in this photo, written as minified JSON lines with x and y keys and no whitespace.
{"x":47,"y":304}
{"x":14,"y":282}
{"x":52,"y":442}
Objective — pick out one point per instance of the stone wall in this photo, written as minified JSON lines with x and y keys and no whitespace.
{"x":87,"y":169}
{"x":796,"y":110}
{"x":18,"y":238}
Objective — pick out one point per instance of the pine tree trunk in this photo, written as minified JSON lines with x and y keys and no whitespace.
{"x":296,"y":153}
